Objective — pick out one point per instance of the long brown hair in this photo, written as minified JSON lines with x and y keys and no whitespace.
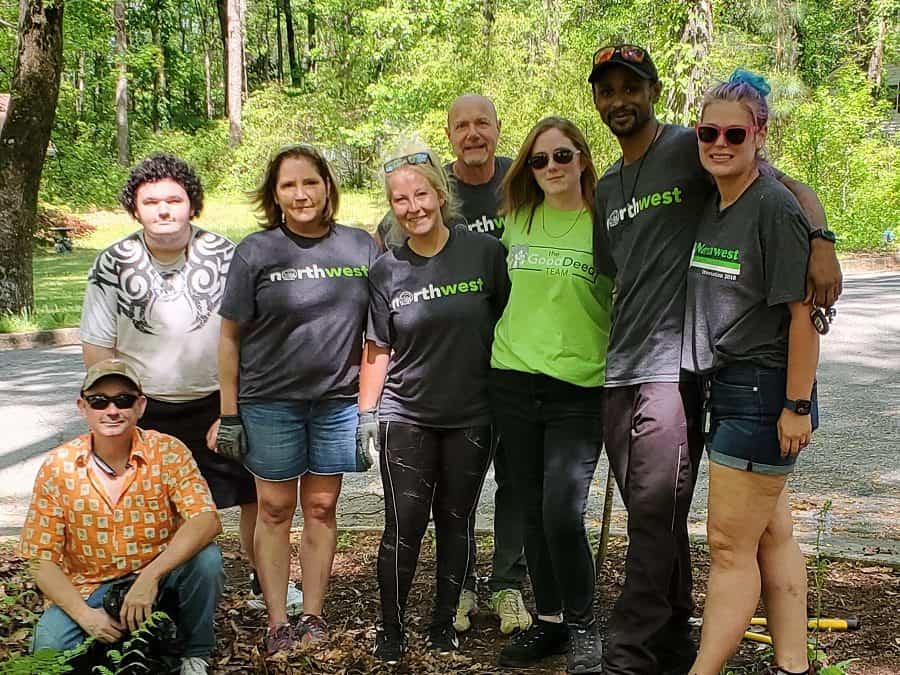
{"x":519,"y":188}
{"x":263,"y":197}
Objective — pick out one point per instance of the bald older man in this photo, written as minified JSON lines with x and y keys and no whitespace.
{"x":473,"y":128}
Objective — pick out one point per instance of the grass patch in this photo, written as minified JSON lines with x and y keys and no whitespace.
{"x":59,"y":280}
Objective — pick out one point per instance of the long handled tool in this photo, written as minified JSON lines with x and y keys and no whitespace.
{"x":605,"y":524}
{"x":760,"y":622}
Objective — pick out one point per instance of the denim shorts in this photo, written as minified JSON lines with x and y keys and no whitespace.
{"x":744,"y":405}
{"x":286,"y":439}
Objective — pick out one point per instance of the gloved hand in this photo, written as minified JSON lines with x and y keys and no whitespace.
{"x":231,"y":442}
{"x":368,"y":443}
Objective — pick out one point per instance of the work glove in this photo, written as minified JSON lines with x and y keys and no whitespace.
{"x":368,"y":444}
{"x":231,"y":442}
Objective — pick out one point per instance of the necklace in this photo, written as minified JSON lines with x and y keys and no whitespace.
{"x":105,"y":467}
{"x":640,"y":166}
{"x":571,"y":227}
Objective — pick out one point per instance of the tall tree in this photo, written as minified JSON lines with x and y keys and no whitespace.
{"x":23,"y":144}
{"x":787,"y":42}
{"x":119,"y":20}
{"x":876,"y":59}
{"x":697,"y":40}
{"x":291,"y":43}
{"x":234,"y":83}
{"x":310,"y":61}
{"x":279,"y":63}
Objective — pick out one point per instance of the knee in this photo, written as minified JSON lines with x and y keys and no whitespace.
{"x":562,"y":520}
{"x":56,"y":630}
{"x":207,"y":563}
{"x":276,"y":512}
{"x":320,"y":510}
{"x":726,"y":549}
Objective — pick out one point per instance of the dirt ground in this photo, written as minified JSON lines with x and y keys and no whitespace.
{"x":871,"y":593}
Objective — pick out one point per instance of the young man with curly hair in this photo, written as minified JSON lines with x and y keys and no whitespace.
{"x":152,"y":299}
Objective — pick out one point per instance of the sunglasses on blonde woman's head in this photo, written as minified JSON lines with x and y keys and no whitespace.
{"x":540,"y":160}
{"x":734,"y":134}
{"x":412,"y":160}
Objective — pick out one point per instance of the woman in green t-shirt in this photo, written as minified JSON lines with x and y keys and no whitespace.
{"x":548,"y":366}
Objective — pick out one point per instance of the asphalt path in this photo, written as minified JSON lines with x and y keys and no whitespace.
{"x":853,"y":463}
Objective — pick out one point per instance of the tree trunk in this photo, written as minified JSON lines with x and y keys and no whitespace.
{"x":787,"y":44}
{"x":222,"y":11}
{"x":876,"y":61}
{"x":23,"y":144}
{"x":291,"y":43}
{"x":121,"y":84}
{"x":488,"y":16}
{"x":79,"y":86}
{"x":310,"y":37}
{"x":552,"y":26}
{"x":279,"y":62}
{"x":242,"y":8}
{"x":697,"y":34}
{"x":207,"y":83}
{"x":233,"y":92}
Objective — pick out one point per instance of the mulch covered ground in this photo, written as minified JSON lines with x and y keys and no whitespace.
{"x":869,"y":592}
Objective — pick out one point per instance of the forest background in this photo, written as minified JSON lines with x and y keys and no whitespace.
{"x":223,"y":83}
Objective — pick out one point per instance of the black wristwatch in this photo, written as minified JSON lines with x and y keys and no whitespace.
{"x":800,"y":406}
{"x":823,"y":233}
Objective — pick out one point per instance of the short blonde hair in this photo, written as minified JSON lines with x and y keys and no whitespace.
{"x":432,"y":171}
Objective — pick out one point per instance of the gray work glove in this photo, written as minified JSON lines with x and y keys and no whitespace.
{"x":231,"y":442}
{"x":368,"y":444}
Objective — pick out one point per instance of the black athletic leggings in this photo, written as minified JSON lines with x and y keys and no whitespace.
{"x":425,"y":468}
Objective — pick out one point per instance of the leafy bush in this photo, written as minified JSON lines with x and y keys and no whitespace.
{"x":47,"y":219}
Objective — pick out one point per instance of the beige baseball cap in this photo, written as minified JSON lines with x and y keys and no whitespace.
{"x":108,"y":367}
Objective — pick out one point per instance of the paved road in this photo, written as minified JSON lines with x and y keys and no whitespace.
{"x":854,"y":462}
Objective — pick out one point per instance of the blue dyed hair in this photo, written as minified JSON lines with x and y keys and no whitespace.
{"x":746,"y":88}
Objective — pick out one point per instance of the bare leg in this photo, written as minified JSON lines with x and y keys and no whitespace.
{"x":247,"y":527}
{"x":783,"y":569}
{"x":741,"y":505}
{"x":318,"y":501}
{"x":272,"y":543}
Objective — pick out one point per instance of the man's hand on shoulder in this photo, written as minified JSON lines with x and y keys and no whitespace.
{"x":98,"y":624}
{"x":824,"y":280}
{"x":138,"y":602}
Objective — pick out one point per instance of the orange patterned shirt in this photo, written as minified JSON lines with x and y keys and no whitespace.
{"x":72,"y":523}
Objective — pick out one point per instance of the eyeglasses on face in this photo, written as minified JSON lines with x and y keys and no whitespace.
{"x":413,"y":159}
{"x":627,"y":52}
{"x":734,"y":134}
{"x":540,"y":160}
{"x":102,"y":401}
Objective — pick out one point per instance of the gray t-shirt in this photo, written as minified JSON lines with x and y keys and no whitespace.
{"x":749,"y":260}
{"x":438,"y":316}
{"x":161,"y":318}
{"x":478,"y":206}
{"x":645,"y":223}
{"x":302,"y":304}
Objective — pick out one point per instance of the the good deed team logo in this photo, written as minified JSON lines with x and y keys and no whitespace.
{"x":552,"y":261}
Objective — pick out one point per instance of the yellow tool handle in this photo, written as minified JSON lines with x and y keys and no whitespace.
{"x":758,"y":637}
{"x":851,"y":623}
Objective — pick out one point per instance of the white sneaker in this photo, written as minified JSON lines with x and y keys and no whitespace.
{"x":194,"y":665}
{"x":293,"y":601}
{"x":468,"y":606}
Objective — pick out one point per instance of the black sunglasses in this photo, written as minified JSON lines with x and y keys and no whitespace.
{"x":102,"y":401}
{"x":540,"y":160}
{"x":413,"y":159}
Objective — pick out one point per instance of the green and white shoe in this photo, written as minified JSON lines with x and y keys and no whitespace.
{"x":510,"y":607}
{"x":467,"y":607}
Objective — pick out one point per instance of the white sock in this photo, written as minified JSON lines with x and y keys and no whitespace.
{"x":551,"y":618}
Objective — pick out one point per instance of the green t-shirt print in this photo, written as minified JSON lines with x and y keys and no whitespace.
{"x":557,"y":319}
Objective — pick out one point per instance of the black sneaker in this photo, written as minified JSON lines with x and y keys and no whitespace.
{"x":528,"y":647}
{"x":389,"y":644}
{"x":442,"y":638}
{"x":585,"y":649}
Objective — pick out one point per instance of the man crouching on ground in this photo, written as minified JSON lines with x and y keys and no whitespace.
{"x":116,"y":501}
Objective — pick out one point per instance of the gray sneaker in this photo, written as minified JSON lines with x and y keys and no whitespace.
{"x":585,"y":649}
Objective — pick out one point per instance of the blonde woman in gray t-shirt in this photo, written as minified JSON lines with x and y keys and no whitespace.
{"x":749,"y":333}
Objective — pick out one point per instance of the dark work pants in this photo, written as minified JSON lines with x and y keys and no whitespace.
{"x":553,"y":430}
{"x":654,"y":442}
{"x":508,"y":569}
{"x":425,"y":469}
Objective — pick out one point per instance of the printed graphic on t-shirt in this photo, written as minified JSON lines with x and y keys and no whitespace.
{"x":616,"y":217}
{"x":485,"y":224}
{"x":315,"y":272}
{"x":722,"y":263}
{"x":553,"y":261}
{"x":149,"y":297}
{"x":432,"y":292}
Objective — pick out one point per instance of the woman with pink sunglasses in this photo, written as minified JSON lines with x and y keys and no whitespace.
{"x":749,"y":334}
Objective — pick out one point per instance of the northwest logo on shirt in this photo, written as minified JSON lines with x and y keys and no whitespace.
{"x":721,"y":261}
{"x":316,"y":272}
{"x":554,"y":262}
{"x":432,"y":292}
{"x":485,"y":224}
{"x":638,"y":204}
